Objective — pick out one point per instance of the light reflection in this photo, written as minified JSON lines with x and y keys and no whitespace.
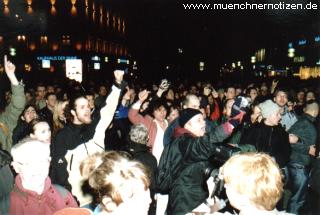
{"x":53,"y":10}
{"x":73,"y":10}
{"x":29,"y":10}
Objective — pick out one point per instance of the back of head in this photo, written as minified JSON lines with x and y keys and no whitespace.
{"x":110,"y":172}
{"x":30,"y":149}
{"x":312,"y":108}
{"x":255,"y":176}
{"x":139,"y":134}
{"x":191,"y":101}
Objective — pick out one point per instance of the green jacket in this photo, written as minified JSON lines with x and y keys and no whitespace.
{"x":305,"y":130}
{"x":9,"y":118}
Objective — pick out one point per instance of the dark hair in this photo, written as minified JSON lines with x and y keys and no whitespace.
{"x":156,"y":104}
{"x":33,"y":123}
{"x":50,"y":94}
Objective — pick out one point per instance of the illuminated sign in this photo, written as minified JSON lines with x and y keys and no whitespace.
{"x":95,"y":58}
{"x":317,"y":39}
{"x":299,"y":59}
{"x":56,"y":57}
{"x":302,"y":42}
{"x":46,"y":64}
{"x":119,"y":60}
{"x":74,"y":69}
{"x":290,"y":45}
{"x":96,"y":66}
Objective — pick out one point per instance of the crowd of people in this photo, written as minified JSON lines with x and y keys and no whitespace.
{"x":129,"y":148}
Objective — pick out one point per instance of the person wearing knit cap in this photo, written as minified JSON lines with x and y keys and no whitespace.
{"x":196,"y":146}
{"x":268,"y":135}
{"x":268,"y":108}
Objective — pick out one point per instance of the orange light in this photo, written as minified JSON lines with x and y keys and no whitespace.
{"x":5,"y":2}
{"x":78,"y":46}
{"x":73,"y":2}
{"x":53,"y":10}
{"x":53,"y":2}
{"x":29,"y":2}
{"x":32,"y":46}
{"x":73,"y":11}
{"x":55,"y":47}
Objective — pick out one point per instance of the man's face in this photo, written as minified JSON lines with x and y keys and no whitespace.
{"x":160,"y":114}
{"x":51,"y":101}
{"x":274,"y":119}
{"x":91,"y":101}
{"x":281,"y":98}
{"x":196,"y":125}
{"x":300,"y":96}
{"x":33,"y":170}
{"x":103,"y":91}
{"x":82,"y":114}
{"x":41,"y":92}
{"x":231,"y":93}
{"x":264,"y":90}
{"x":50,"y":89}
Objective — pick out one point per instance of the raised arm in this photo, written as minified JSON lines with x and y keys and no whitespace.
{"x":107,"y":112}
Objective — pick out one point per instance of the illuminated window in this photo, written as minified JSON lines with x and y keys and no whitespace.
{"x":66,"y":40}
{"x":43,"y":40}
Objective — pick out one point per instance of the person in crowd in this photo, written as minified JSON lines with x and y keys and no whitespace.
{"x":6,"y":180}
{"x":230,"y":93}
{"x":191,"y":101}
{"x":40,"y":96}
{"x":155,"y":121}
{"x":30,"y":97}
{"x":310,"y":96}
{"x":21,"y":130}
{"x":102,"y":95}
{"x":59,"y":116}
{"x":138,"y":139}
{"x":189,"y":188}
{"x":269,"y":136}
{"x":80,"y":138}
{"x":9,"y":117}
{"x":252,"y":93}
{"x":122,"y":185}
{"x":287,"y":118}
{"x":173,"y":113}
{"x":33,"y":192}
{"x":253,"y":183}
{"x":47,"y":112}
{"x":300,"y":102}
{"x":302,"y":137}
{"x":39,"y":129}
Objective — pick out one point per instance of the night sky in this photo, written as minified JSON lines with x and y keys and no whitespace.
{"x":157,"y":28}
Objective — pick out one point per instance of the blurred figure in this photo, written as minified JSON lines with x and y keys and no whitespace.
{"x":40,"y":96}
{"x":253,"y":184}
{"x":122,"y":184}
{"x":59,"y":117}
{"x":21,"y":130}
{"x":9,"y":117}
{"x":33,"y":192}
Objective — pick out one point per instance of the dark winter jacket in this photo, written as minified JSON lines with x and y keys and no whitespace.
{"x":190,"y":189}
{"x":142,"y":153}
{"x":19,"y":132}
{"x":273,"y":140}
{"x":305,"y":130}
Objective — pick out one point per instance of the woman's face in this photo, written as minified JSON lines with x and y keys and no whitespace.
{"x":136,"y":199}
{"x":256,"y":114}
{"x":29,"y":114}
{"x":61,"y":114}
{"x":42,"y":131}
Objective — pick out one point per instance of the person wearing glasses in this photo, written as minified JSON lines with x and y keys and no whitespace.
{"x":33,"y":192}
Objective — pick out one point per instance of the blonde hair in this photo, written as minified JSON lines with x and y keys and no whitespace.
{"x":57,"y":125}
{"x":256,"y":176}
{"x":108,"y":171}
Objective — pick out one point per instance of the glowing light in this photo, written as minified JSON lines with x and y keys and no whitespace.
{"x":253,"y":59}
{"x":53,"y":2}
{"x":73,"y":10}
{"x":73,"y":2}
{"x":29,"y":2}
{"x":32,"y":46}
{"x":53,"y":10}
{"x":5,"y":2}
{"x":55,"y":46}
{"x":78,"y":46}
